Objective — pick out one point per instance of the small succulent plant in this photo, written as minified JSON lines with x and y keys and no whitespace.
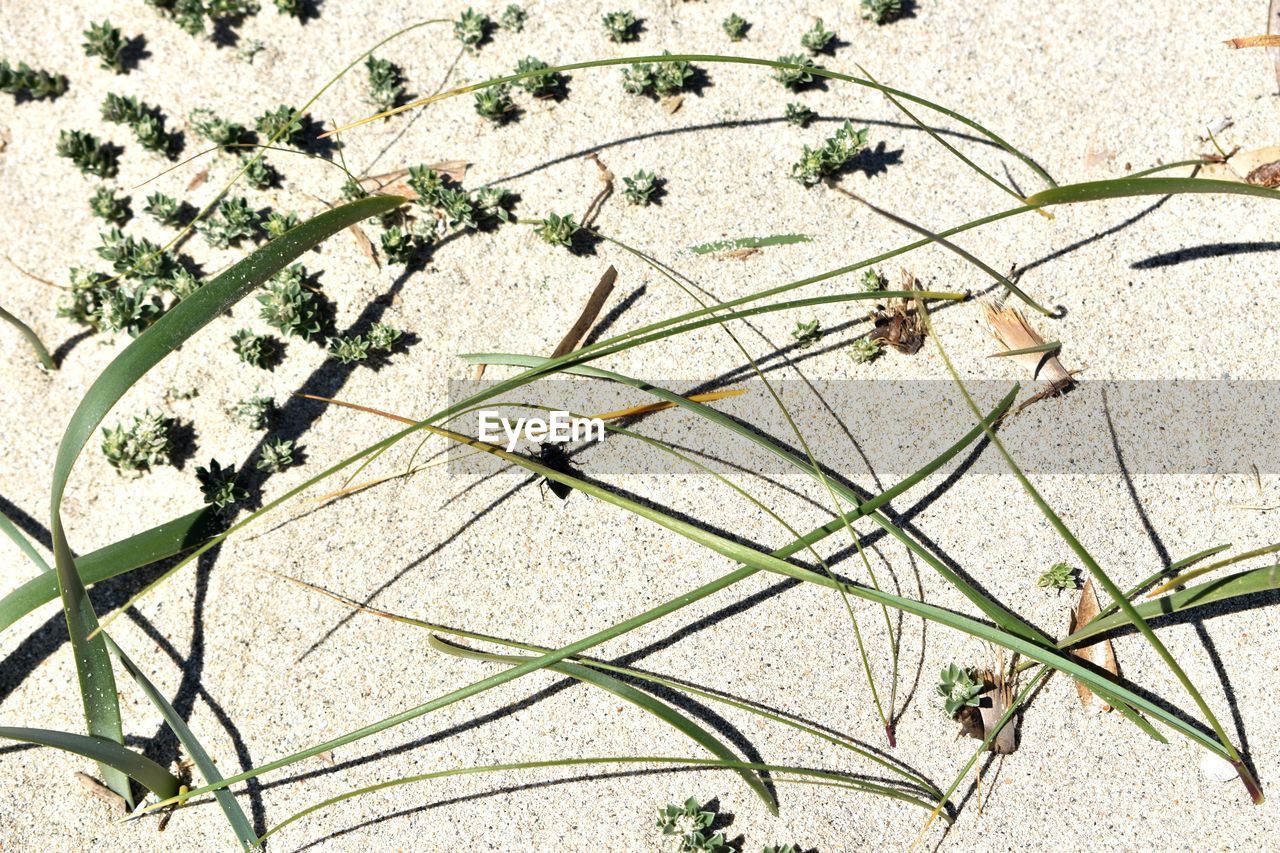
{"x":662,"y":79}
{"x":147,"y":442}
{"x":234,"y":221}
{"x":799,"y":114}
{"x":292,"y":8}
{"x":795,"y":78}
{"x":817,"y":39}
{"x":218,"y":485}
{"x":735,"y":27}
{"x":493,"y":204}
{"x":275,"y":456}
{"x":621,"y":26}
{"x":209,"y":126}
{"x":807,"y":334}
{"x":549,"y":85}
{"x":834,"y":155}
{"x":386,"y":83}
{"x":873,"y":280}
{"x":146,"y":121}
{"x":472,"y":28}
{"x":642,"y":188}
{"x":637,"y":79}
{"x":33,"y":83}
{"x":780,"y":848}
{"x":182,"y":283}
{"x":1060,"y":576}
{"x":881,"y":11}
{"x":91,"y":156}
{"x":254,"y":412}
{"x":349,"y":348}
{"x":383,"y":337}
{"x":278,"y":223}
{"x":105,"y":204}
{"x":287,"y":306}
{"x":280,"y":125}
{"x":260,"y":174}
{"x":557,"y":230}
{"x":957,"y":688}
{"x":495,"y":104}
{"x":690,"y":825}
{"x":512,"y":18}
{"x":865,"y":350}
{"x":107,"y":44}
{"x":164,"y":209}
{"x":257,"y":350}
{"x":398,"y":245}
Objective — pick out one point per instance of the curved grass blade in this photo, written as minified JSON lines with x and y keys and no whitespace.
{"x":42,"y":354}
{"x":93,"y":665}
{"x":708,"y":589}
{"x":1204,"y":570}
{"x":107,"y":753}
{"x":235,"y":815}
{"x":711,"y":695}
{"x":627,"y":693}
{"x":1215,"y":591}
{"x":711,"y":763}
{"x":141,"y":549}
{"x":24,"y":544}
{"x":1130,"y":186}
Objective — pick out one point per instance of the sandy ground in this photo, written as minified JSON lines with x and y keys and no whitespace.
{"x":265,"y":668}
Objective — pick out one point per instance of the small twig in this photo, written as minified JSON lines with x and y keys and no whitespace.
{"x":33,"y":276}
{"x":589,"y":313}
{"x":606,"y":177}
{"x":101,"y":791}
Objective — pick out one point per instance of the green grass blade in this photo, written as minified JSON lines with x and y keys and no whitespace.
{"x":1181,"y":579}
{"x":710,"y":763}
{"x":175,"y":327}
{"x":126,"y":762}
{"x":627,"y":693}
{"x":708,"y":589}
{"x":42,"y":354}
{"x":141,"y":549}
{"x":1201,"y":595}
{"x":235,"y":815}
{"x":24,"y":544}
{"x":1130,"y":187}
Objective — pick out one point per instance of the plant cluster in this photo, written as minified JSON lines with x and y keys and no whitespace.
{"x":735,"y":27}
{"x":234,"y":221}
{"x":454,"y":207}
{"x":382,"y":338}
{"x":194,"y":15}
{"x":215,"y":129}
{"x":881,"y":11}
{"x":134,"y":298}
{"x":549,"y":85}
{"x":621,"y":27}
{"x":512,"y":18}
{"x":107,"y":44}
{"x":958,"y":688}
{"x":254,"y":412}
{"x":833,"y":156}
{"x":34,"y":83}
{"x":147,"y":442}
{"x":145,"y":120}
{"x":865,"y":350}
{"x":256,"y":350}
{"x":386,"y":83}
{"x":642,"y":188}
{"x":218,"y":485}
{"x":691,"y":824}
{"x":818,"y":39}
{"x":798,"y":77}
{"x":472,"y":28}
{"x":275,"y":456}
{"x":661,"y":80}
{"x":91,"y":155}
{"x":557,"y":230}
{"x":281,"y":126}
{"x":799,"y":114}
{"x":105,"y":204}
{"x":494,"y":103}
{"x":807,"y":334}
{"x":1060,"y":576}
{"x":289,"y":307}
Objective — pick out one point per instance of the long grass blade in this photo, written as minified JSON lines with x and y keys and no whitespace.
{"x":24,"y":544}
{"x":107,"y":753}
{"x":42,"y":354}
{"x":627,"y":693}
{"x":235,"y":815}
{"x":1181,"y":579}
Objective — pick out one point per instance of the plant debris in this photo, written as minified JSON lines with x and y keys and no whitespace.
{"x":1101,"y":654}
{"x":898,"y":324}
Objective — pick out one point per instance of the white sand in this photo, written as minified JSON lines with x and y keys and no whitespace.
{"x":1085,"y":89}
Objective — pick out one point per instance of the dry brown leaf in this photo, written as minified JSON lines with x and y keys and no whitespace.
{"x":740,"y":254}
{"x":1001,"y":696}
{"x":1254,"y":41}
{"x":1012,"y":330}
{"x":365,"y":244}
{"x":1101,"y":654}
{"x":899,"y":325}
{"x":1243,"y":163}
{"x":673,"y":104}
{"x":1266,"y":175}
{"x":101,"y":791}
{"x":199,"y":179}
